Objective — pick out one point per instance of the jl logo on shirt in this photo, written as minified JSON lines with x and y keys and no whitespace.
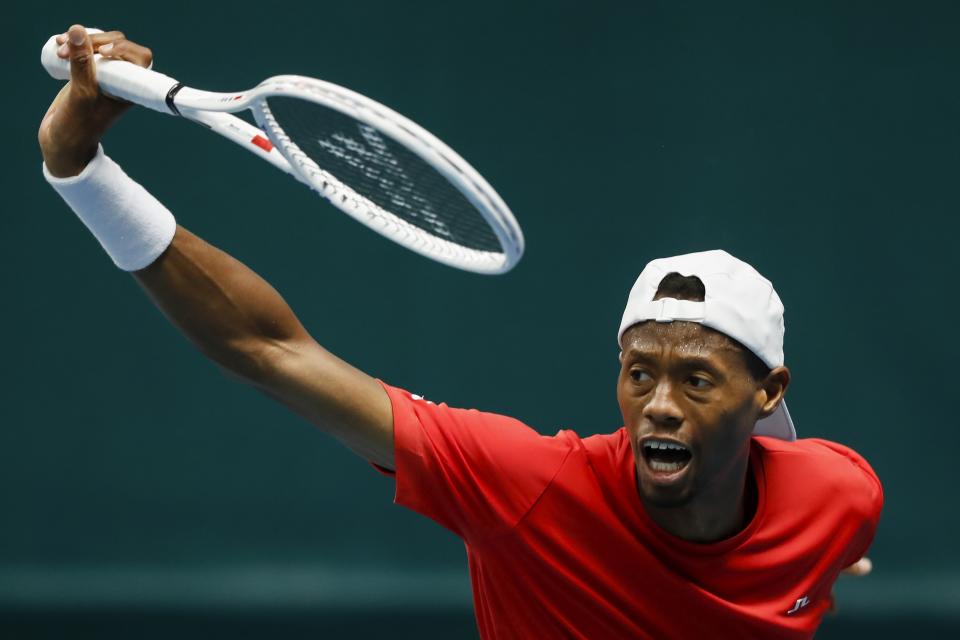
{"x":800,"y":604}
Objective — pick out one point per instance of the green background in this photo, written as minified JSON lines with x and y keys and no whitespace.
{"x":141,"y":490}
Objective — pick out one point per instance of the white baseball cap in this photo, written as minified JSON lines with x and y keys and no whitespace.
{"x":739,"y":302}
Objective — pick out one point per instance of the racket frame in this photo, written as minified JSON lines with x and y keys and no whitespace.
{"x":214,"y":110}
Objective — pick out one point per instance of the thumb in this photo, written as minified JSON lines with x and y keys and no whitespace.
{"x":83,"y":70}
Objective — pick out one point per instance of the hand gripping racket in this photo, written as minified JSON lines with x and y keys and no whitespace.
{"x":366,"y":159}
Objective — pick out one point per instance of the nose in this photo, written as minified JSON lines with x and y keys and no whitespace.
{"x":662,"y":409}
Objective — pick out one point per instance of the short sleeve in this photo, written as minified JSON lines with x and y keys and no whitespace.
{"x":473,"y":472}
{"x":863,"y":492}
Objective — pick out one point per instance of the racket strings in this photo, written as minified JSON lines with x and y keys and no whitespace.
{"x":377,"y":168}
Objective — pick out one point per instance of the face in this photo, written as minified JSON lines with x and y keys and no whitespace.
{"x":689,"y":404}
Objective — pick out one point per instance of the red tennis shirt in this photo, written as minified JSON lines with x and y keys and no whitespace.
{"x":559,"y":544}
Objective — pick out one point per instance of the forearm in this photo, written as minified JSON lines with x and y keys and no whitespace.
{"x":229,"y":312}
{"x":223,"y":307}
{"x":238,"y":320}
{"x":242,"y":323}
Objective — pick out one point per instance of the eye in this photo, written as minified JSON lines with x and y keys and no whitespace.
{"x":639,"y":375}
{"x":699,"y":382}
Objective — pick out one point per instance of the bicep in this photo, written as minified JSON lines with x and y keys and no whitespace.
{"x":333,"y":395}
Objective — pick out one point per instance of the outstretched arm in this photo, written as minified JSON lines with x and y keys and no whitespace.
{"x":239,"y":321}
{"x":231,"y":314}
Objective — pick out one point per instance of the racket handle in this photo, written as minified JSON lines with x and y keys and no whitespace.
{"x":117,"y":78}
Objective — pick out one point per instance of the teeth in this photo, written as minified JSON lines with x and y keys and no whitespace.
{"x":659,"y":444}
{"x":665,"y":466}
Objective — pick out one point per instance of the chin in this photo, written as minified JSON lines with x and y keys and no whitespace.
{"x":665,"y":499}
{"x":678,"y":492}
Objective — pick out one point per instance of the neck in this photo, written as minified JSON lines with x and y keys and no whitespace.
{"x":718,"y":513}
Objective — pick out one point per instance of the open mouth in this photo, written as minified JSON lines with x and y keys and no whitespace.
{"x":665,"y":456}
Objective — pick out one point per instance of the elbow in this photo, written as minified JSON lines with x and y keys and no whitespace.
{"x":251,"y":361}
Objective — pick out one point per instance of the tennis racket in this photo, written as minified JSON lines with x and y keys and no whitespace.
{"x":366,"y":159}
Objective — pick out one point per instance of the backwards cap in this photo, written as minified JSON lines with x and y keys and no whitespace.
{"x":739,"y":302}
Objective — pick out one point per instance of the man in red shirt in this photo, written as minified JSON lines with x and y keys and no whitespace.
{"x":702,"y":516}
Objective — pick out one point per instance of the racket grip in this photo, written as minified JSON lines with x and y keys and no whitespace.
{"x":117,"y":78}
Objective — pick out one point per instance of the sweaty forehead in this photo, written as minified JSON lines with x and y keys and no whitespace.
{"x":685,"y":338}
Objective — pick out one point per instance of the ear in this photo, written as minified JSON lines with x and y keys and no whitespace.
{"x":774,"y":387}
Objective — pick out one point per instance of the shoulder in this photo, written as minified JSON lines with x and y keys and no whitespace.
{"x":458,"y":436}
{"x":604,"y":445}
{"x":603,"y":453}
{"x":830,"y":459}
{"x":409,"y":406}
{"x":825,"y":469}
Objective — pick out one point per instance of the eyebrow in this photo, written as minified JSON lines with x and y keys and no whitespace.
{"x":688,"y":361}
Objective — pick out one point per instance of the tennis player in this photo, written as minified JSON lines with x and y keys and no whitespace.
{"x":702,"y":517}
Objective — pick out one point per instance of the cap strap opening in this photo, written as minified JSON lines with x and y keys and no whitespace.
{"x":670,"y":309}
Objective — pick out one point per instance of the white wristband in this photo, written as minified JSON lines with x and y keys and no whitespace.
{"x":132,"y":226}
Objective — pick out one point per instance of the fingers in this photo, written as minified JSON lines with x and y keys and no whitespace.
{"x":129,"y":51}
{"x":97,"y":39}
{"x":113,"y":45}
{"x":861,"y":567}
{"x":100,"y":39}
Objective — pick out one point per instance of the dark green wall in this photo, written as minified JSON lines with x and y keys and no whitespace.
{"x":817,"y":141}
